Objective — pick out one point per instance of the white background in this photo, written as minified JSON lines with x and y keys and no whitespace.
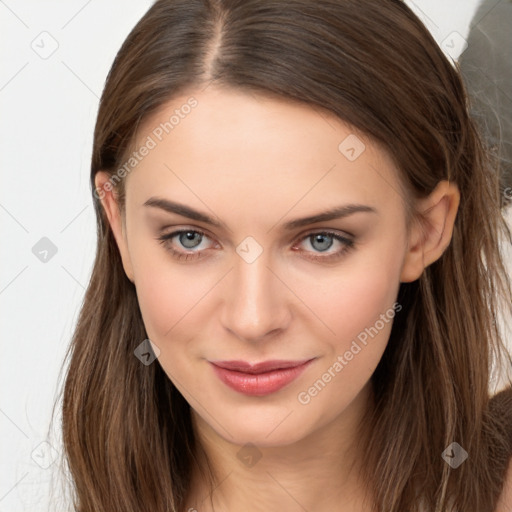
{"x":48,"y":108}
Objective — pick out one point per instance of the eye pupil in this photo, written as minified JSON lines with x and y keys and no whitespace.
{"x":188,"y":236}
{"x":320,"y":237}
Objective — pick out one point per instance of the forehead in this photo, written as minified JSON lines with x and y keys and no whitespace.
{"x":243,"y":146}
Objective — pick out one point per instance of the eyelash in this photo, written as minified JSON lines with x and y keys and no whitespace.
{"x":180,"y":255}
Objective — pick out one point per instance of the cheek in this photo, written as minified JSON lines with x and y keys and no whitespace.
{"x":168,"y":294}
{"x":355,"y":296}
{"x":361,"y":314}
{"x":170,"y":301}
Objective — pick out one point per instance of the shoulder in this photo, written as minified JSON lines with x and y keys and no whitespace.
{"x":501,"y":407}
{"x":500,"y":413}
{"x":505,"y":501}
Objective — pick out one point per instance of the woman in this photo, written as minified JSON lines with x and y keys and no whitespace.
{"x":293,"y":303}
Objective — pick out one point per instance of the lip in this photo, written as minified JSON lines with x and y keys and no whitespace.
{"x":259,"y":379}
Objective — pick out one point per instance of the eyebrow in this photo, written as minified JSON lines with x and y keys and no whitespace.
{"x":330,"y":214}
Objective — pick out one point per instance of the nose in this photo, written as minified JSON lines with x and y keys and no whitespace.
{"x":256,"y":300}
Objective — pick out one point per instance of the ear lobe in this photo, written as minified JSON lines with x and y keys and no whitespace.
{"x":432,"y":230}
{"x":108,"y":200}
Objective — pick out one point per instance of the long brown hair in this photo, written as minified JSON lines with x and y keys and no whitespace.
{"x":127,"y":433}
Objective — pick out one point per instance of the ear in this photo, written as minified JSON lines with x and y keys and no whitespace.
{"x":431,"y":233}
{"x":105,"y":191}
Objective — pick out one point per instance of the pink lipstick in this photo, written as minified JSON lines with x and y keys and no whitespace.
{"x":258,"y":379}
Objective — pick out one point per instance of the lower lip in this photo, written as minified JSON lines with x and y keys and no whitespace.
{"x":260,"y":384}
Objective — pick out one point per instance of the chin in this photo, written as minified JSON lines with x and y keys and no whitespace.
{"x":264,"y":434}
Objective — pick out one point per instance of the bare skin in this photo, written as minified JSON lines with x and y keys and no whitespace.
{"x":256,"y":163}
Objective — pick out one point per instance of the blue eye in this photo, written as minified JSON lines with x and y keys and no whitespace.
{"x":188,"y":238}
{"x":320,"y":241}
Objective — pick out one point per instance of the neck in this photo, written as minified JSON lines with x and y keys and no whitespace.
{"x":319,"y":472}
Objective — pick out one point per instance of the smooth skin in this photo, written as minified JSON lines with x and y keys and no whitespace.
{"x":254,"y":163}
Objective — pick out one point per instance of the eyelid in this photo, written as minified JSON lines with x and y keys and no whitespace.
{"x":333,"y":231}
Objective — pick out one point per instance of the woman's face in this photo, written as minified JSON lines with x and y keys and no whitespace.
{"x":261,"y":285}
